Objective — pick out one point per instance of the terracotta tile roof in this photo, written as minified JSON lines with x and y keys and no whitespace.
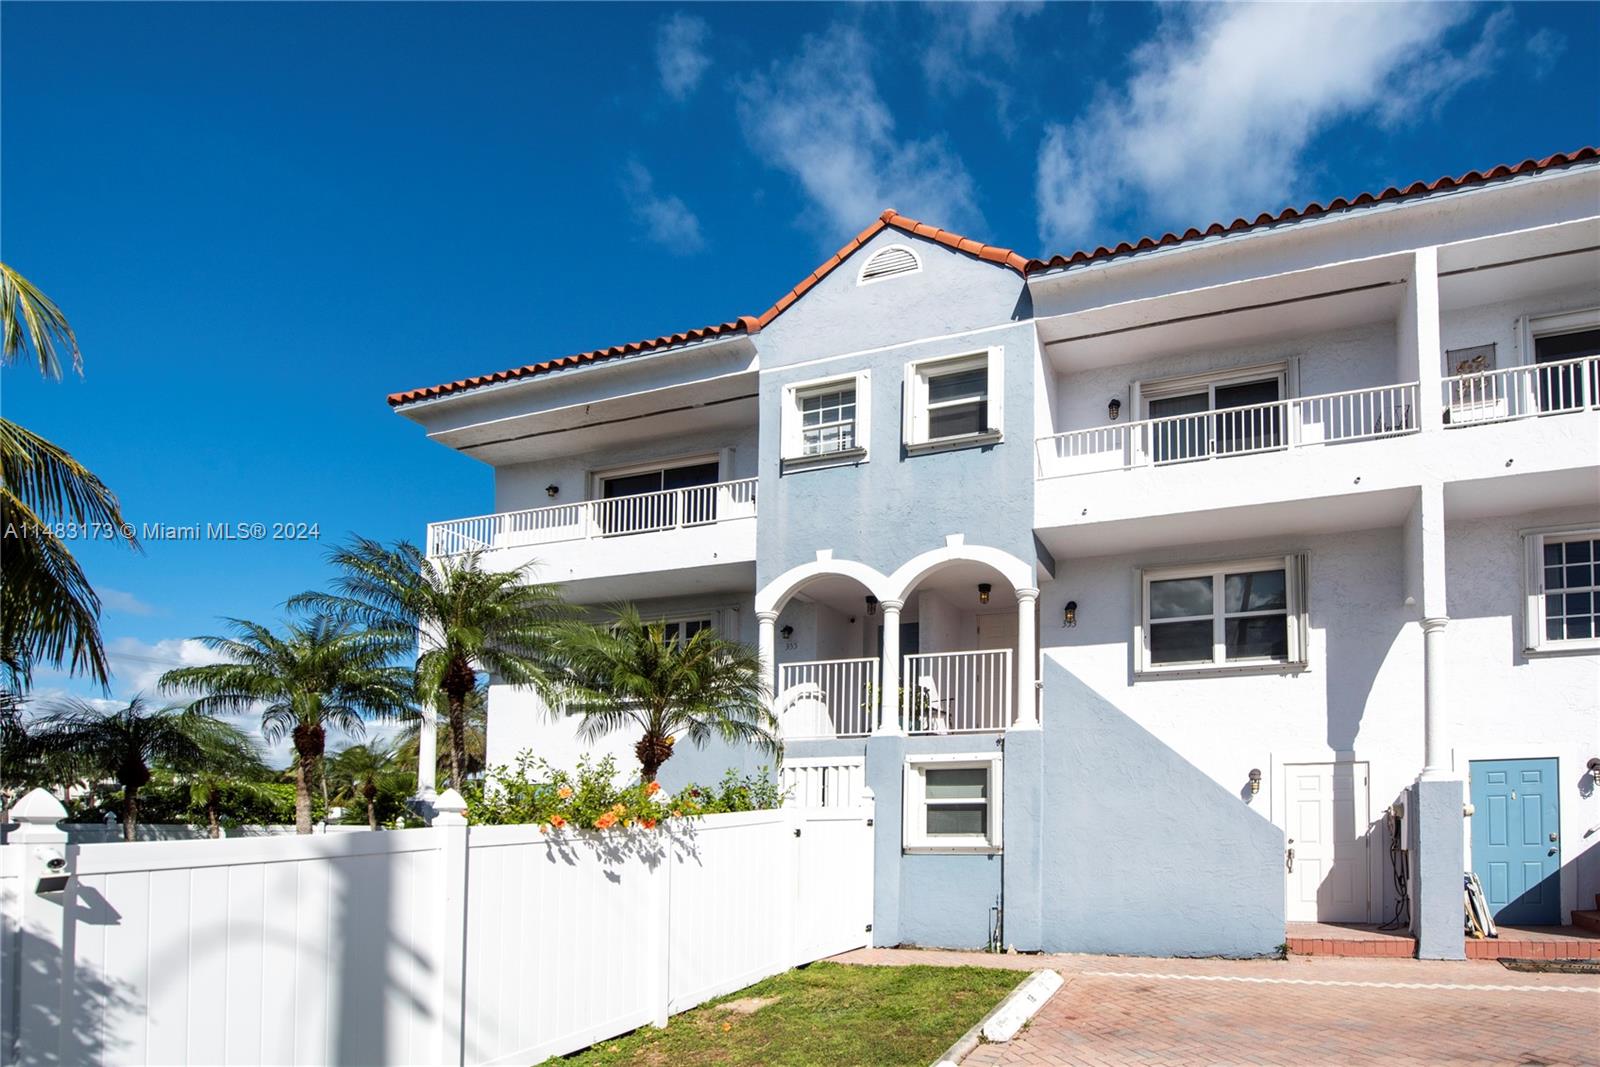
{"x":743,"y":324}
{"x":1216,"y":229}
{"x":892,"y":218}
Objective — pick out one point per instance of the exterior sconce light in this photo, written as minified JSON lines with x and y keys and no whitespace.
{"x":551,"y":490}
{"x":787,"y":632}
{"x":872,"y":604}
{"x":1114,"y":408}
{"x":1069,"y":615}
{"x":1255,"y":780}
{"x":983,"y":592}
{"x":1594,"y":768}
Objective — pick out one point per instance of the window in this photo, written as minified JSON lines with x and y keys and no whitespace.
{"x":1572,"y":342}
{"x":889,"y":262}
{"x":952,"y":803}
{"x":1563,"y":594}
{"x":1215,"y":415}
{"x":825,"y":422}
{"x":828,"y":420}
{"x":953,"y":402}
{"x":637,"y":500}
{"x":1249,"y":613}
{"x":683,"y":629}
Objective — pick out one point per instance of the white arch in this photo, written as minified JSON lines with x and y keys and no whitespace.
{"x":777,"y":592}
{"x":905,"y":579}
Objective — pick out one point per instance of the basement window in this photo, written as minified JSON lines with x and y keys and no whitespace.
{"x":952,"y":803}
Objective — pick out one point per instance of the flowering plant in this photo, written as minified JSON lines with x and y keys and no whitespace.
{"x":589,"y":798}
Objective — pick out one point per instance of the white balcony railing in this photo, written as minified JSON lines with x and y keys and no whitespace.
{"x":957,"y":692}
{"x":1329,"y":418}
{"x":668,"y":509}
{"x":827,"y":698}
{"x":1522,"y":392}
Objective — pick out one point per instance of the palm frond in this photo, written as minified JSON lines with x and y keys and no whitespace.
{"x":31,"y":321}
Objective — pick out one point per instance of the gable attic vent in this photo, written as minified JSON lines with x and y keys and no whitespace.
{"x":888,"y":262}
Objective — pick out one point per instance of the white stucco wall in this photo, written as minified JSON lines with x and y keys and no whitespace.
{"x":1498,"y":324}
{"x":1361,"y":696}
{"x":523,"y":485}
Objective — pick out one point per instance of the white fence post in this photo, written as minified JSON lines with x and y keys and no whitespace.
{"x":450,"y":825}
{"x":661,"y":932}
{"x":42,"y":984}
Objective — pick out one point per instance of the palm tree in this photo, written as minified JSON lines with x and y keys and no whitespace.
{"x":123,"y":743}
{"x":229,"y":762}
{"x":463,"y":618}
{"x":49,"y":614}
{"x":408,"y":742}
{"x":631,"y":674}
{"x":358,"y":770}
{"x":315,"y":675}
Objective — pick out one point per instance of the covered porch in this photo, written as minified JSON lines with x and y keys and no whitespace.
{"x":945,"y":645}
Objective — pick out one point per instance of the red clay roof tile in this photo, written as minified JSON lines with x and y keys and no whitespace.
{"x":1313,"y":209}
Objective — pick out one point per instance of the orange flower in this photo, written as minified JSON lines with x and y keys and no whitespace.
{"x":676,"y":814}
{"x":557,"y":821}
{"x":648,"y":824}
{"x":564,"y":792}
{"x":653,"y":788}
{"x":726,"y":1027}
{"x":606,"y":821}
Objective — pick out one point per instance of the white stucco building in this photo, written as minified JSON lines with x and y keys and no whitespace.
{"x":1246,"y":575}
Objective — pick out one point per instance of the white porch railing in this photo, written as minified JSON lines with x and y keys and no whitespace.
{"x":957,"y":692}
{"x":668,"y":509}
{"x":1329,"y":418}
{"x":1522,"y":392}
{"x":827,"y":698}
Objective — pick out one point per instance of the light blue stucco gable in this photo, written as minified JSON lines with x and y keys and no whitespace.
{"x":894,"y":506}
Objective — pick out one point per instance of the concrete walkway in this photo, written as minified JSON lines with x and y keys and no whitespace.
{"x":1300,"y":1011}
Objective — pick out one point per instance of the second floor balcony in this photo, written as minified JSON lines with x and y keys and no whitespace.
{"x":644,"y":544}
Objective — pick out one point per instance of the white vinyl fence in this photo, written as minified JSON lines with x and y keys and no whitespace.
{"x":446,"y":945}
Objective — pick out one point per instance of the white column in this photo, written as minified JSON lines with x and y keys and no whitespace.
{"x":767,"y":644}
{"x":428,"y":753}
{"x":889,"y":691}
{"x":1436,"y":731}
{"x":1027,"y":659}
{"x":1421,"y":354}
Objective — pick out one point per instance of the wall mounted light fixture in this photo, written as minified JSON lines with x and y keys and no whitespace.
{"x":872,"y":604}
{"x":1255,"y":780}
{"x":983,"y":592}
{"x":1069,"y":615}
{"x":1114,"y":408}
{"x":1594,"y":768}
{"x":787,"y":632}
{"x":552,"y":489}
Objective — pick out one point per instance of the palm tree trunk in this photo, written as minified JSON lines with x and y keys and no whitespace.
{"x":212,"y":820}
{"x":308,"y":742}
{"x":459,"y":680}
{"x":652,"y":751}
{"x":369,"y":791}
{"x":130,"y":813}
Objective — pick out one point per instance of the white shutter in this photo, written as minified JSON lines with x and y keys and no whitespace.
{"x":997,"y":389}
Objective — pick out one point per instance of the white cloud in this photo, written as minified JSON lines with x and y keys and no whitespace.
{"x":1544,"y":46}
{"x":666,"y":219}
{"x":819,"y":117}
{"x":971,"y":40}
{"x":682,"y":55}
{"x":125,"y":602}
{"x":1219,"y":108}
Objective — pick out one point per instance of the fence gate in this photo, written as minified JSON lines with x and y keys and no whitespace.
{"x":833,"y":911}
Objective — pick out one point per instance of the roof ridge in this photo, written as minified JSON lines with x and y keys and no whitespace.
{"x":1314,"y":209}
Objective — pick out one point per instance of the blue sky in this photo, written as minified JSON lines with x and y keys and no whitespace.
{"x":263,"y":218}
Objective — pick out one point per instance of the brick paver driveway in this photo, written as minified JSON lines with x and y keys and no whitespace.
{"x":1310,"y":1011}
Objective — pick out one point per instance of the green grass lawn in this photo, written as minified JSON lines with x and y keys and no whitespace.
{"x":827,"y":1013}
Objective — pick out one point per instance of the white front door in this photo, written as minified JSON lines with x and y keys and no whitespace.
{"x":1325,"y":822}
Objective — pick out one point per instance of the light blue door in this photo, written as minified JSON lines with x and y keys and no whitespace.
{"x":1516,"y":843}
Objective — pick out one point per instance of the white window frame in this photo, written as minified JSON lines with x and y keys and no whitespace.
{"x":1294,"y":567}
{"x":1533,"y":327}
{"x":914,"y":426}
{"x":600,"y":475}
{"x":1533,"y":542}
{"x":861,"y":275}
{"x":914,"y":832}
{"x":792,"y":424}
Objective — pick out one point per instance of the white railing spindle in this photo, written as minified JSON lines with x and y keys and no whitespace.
{"x":1522,"y":392}
{"x":957,"y":692}
{"x":827,"y":698}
